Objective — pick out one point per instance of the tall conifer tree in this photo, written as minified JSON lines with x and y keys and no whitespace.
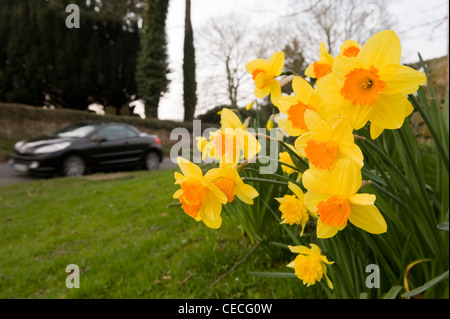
{"x":189,"y":83}
{"x":152,"y":67}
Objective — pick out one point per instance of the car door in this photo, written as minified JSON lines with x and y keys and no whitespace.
{"x":113,"y":147}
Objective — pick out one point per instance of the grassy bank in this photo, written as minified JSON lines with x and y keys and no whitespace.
{"x":126,"y":242}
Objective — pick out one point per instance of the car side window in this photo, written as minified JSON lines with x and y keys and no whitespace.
{"x":131,"y":133}
{"x":111,"y":133}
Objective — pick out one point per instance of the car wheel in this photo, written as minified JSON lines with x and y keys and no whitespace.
{"x":152,"y":161}
{"x":73,"y":165}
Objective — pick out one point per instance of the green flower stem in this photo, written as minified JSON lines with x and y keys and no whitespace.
{"x":276,"y":176}
{"x":432,"y":130}
{"x":390,"y":195}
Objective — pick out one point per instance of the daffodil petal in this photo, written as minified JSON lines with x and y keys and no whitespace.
{"x":312,"y":199}
{"x":368,"y":218}
{"x":318,"y":127}
{"x":189,"y":169}
{"x":230,"y":119}
{"x":325,"y":231}
{"x":210,"y":211}
{"x":246,"y":193}
{"x":341,"y":129}
{"x":348,"y":174}
{"x":261,"y":93}
{"x":302,"y":89}
{"x":353,"y":151}
{"x":296,"y":190}
{"x":388,"y":112}
{"x":276,"y":62}
{"x":275,"y":92}
{"x":401,"y":79}
{"x":299,"y":249}
{"x":362,"y":199}
{"x":177,"y":193}
{"x":375,"y":130}
{"x":358,"y":115}
{"x":319,"y":182}
{"x":258,"y":64}
{"x":380,"y":50}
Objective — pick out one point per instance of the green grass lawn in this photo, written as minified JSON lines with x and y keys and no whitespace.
{"x":127,"y":244}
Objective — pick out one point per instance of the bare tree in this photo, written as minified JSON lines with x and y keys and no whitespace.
{"x":334,"y":21}
{"x":223,"y":42}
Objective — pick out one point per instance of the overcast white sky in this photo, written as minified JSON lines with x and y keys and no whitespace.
{"x":414,"y":23}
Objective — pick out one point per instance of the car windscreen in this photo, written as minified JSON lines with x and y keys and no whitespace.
{"x":75,"y":130}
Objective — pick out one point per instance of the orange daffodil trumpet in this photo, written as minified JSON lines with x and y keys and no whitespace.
{"x":227,"y":179}
{"x":200,"y":198}
{"x":295,"y":106}
{"x":264,"y":73}
{"x":372,"y":86}
{"x":310,"y":265}
{"x":332,"y":195}
{"x":327,"y":141}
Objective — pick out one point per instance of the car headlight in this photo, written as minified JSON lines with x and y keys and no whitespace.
{"x":52,"y":148}
{"x":18,"y":146}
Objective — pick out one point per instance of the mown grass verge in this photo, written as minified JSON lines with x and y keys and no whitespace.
{"x":127,"y":244}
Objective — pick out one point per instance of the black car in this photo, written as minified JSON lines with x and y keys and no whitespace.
{"x":85,"y":147}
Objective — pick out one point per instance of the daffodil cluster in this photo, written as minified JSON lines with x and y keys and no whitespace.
{"x":202,"y":195}
{"x":361,"y":85}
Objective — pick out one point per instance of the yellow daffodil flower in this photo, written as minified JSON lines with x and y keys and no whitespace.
{"x":231,"y":140}
{"x":249,"y":105}
{"x":200,"y":198}
{"x":327,"y":141}
{"x":373,"y":86}
{"x":322,"y":67}
{"x":325,"y":64}
{"x":350,"y":48}
{"x":286,"y":158}
{"x":264,"y":73}
{"x":227,"y":179}
{"x":333,"y":196}
{"x":293,"y":209}
{"x":295,"y":107}
{"x":201,"y":143}
{"x":310,"y":265}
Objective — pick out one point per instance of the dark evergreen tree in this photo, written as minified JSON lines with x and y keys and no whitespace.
{"x":152,"y":66}
{"x":44,"y":62}
{"x":189,"y":83}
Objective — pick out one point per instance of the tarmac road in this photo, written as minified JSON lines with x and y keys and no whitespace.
{"x":8,"y":176}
